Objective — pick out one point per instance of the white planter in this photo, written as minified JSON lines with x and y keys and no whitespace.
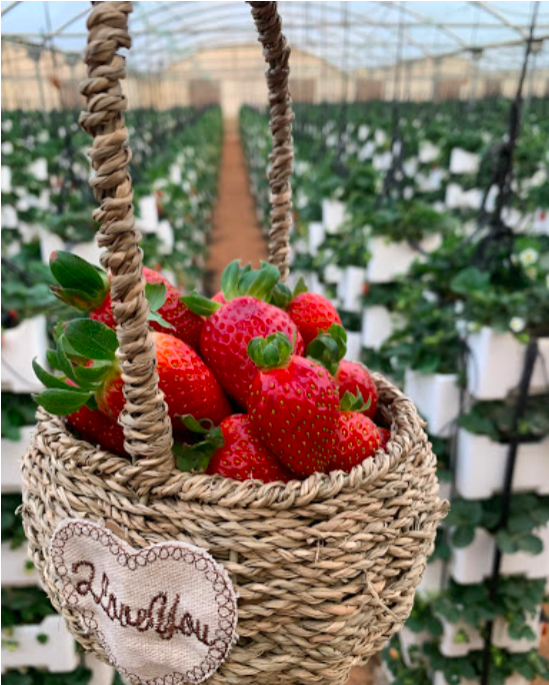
{"x":500,"y":635}
{"x":363,"y":132}
{"x":354,"y":347}
{"x":20,"y":345}
{"x":57,"y":654}
{"x":175,"y":174}
{"x":437,"y":398}
{"x":12,"y":453}
{"x":352,"y":288}
{"x":366,"y":151}
{"x":6,"y":179}
{"x":333,"y":215}
{"x":481,"y":464}
{"x":448,"y":645}
{"x":463,"y":162}
{"x":49,"y":242}
{"x":453,"y":198}
{"x":409,"y":639}
{"x":515,"y":679}
{"x":166,"y":237}
{"x":102,"y":674}
{"x":14,"y":567}
{"x":410,"y":167}
{"x":148,"y":213}
{"x":541,"y":221}
{"x":380,"y":137}
{"x":433,"y":576}
{"x":316,"y":236}
{"x":332,"y":274}
{"x":428,"y":152}
{"x":495,"y":364}
{"x":378,"y":323}
{"x":39,"y":169}
{"x":89,"y":251}
{"x":315,"y":284}
{"x":388,"y":260}
{"x":9,"y":216}
{"x":382,"y":162}
{"x":473,"y":564}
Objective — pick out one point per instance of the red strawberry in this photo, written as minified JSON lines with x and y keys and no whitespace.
{"x":313,"y":314}
{"x":87,"y":288}
{"x":230,"y":327}
{"x":357,"y":439}
{"x":384,"y":436}
{"x":355,"y":378}
{"x":98,"y":429}
{"x":293,"y":405}
{"x":232,"y":450}
{"x":219,"y":297}
{"x":188,"y":385}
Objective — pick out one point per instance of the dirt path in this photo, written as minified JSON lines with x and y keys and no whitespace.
{"x":236,"y":234}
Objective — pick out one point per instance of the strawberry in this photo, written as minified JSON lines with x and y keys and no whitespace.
{"x":98,"y":429}
{"x":219,"y":297}
{"x":357,"y":435}
{"x":87,"y":288}
{"x":229,"y":327}
{"x":355,"y":378}
{"x":313,"y":314}
{"x":231,"y":450}
{"x":293,"y":405}
{"x":329,"y":349}
{"x":384,"y":436}
{"x":187,"y":383}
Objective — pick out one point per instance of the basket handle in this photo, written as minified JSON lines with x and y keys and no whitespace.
{"x":277,"y":55}
{"x":145,"y":420}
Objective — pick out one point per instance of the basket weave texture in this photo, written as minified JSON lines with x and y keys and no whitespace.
{"x":325,"y":568}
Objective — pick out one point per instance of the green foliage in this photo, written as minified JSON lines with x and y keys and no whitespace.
{"x":23,"y":606}
{"x":17,"y":411}
{"x":12,"y":526}
{"x":33,"y":676}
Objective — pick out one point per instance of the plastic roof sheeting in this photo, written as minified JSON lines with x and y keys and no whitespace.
{"x":350,"y":35}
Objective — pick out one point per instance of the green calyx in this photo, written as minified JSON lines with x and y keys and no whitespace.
{"x":350,"y":402}
{"x":197,"y":457}
{"x":237,"y":281}
{"x":156,"y":296}
{"x":80,"y":284}
{"x":271,"y":352}
{"x":329,"y":348}
{"x":282,"y":295}
{"x":79,"y":383}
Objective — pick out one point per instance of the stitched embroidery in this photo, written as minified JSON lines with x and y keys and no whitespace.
{"x":139,"y":600}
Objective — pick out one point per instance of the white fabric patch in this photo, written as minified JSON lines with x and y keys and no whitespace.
{"x":165,"y":614}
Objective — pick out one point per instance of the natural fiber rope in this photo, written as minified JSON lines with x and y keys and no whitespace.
{"x":325,"y":568}
{"x":146,"y":424}
{"x":277,"y":55}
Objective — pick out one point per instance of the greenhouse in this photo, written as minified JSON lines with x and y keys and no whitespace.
{"x":275,"y":342}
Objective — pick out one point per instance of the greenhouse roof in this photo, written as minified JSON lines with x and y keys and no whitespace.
{"x":350,"y":35}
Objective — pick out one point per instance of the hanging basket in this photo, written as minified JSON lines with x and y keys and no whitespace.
{"x":296,"y":583}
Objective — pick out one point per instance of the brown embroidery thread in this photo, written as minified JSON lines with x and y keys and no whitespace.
{"x":152,"y":618}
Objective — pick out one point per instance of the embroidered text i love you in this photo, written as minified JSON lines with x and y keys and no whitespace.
{"x":165,"y":614}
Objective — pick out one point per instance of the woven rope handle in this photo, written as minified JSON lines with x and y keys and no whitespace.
{"x":277,"y":55}
{"x":145,"y":420}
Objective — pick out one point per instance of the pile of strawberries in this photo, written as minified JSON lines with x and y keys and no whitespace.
{"x":254,"y":379}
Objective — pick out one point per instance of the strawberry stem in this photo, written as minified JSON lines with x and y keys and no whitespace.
{"x":329,"y":348}
{"x":271,"y":352}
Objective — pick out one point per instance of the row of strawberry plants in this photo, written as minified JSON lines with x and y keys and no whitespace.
{"x":446,"y":309}
{"x":175,"y":163}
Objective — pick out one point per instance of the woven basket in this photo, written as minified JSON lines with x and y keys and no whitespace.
{"x":325,"y":568}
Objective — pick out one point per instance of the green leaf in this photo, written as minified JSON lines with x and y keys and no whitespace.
{"x":92,"y":339}
{"x":48,"y":379}
{"x":161,"y":321}
{"x":271,"y":352}
{"x":53,"y":359}
{"x":199,"y":304}
{"x":470,"y":280}
{"x":530,"y":543}
{"x":463,"y":537}
{"x":506,"y":543}
{"x":196,"y":426}
{"x":89,"y":377}
{"x":156,"y":295}
{"x":62,"y":402}
{"x":281,"y":296}
{"x":260,"y":284}
{"x":229,"y":280}
{"x":72,"y":272}
{"x":300,"y":287}
{"x":329,"y":348}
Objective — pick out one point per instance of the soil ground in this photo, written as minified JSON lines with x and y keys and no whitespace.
{"x":236,"y":234}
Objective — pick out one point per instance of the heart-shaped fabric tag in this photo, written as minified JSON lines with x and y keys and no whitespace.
{"x":165,"y":614}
